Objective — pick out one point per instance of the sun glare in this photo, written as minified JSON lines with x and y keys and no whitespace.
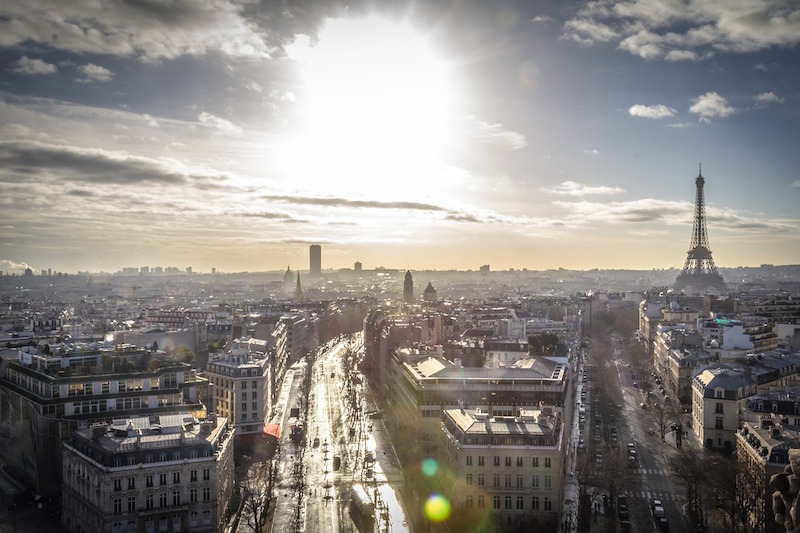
{"x":377,"y":105}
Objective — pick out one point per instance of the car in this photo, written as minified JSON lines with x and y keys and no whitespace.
{"x":316,"y":442}
{"x":656,"y":503}
{"x":663,"y":524}
{"x":635,"y":384}
{"x":643,"y":405}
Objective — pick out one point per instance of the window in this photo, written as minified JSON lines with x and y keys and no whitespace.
{"x":162,"y":479}
{"x":244,"y":396}
{"x":508,"y":480}
{"x":519,"y":481}
{"x":481,"y":501}
{"x":131,"y":504}
{"x":508,"y":502}
{"x":176,"y":456}
{"x":206,"y":474}
{"x":253,"y":396}
{"x":206,"y":517}
{"x":496,"y":480}
{"x":548,"y":505}
{"x":193,"y":475}
{"x":148,"y":501}
{"x":176,"y":497}
{"x":255,"y":384}
{"x":480,"y":460}
{"x":176,"y":477}
{"x":481,"y":481}
{"x":469,"y":460}
{"x":718,"y":422}
{"x":131,"y":483}
{"x":244,"y":406}
{"x":535,"y":482}
{"x":508,"y":461}
{"x":496,"y":460}
{"x":469,"y":501}
{"x":117,"y":485}
{"x":254,"y":406}
{"x":162,"y":523}
{"x":117,"y":505}
{"x":519,"y":461}
{"x":520,"y":503}
{"x":719,"y":408}
{"x":193,"y":519}
{"x":162,"y":499}
{"x":192,"y":495}
{"x":176,"y":523}
{"x":548,"y":482}
{"x":206,"y":494}
{"x":535,"y":503}
{"x":496,"y":501}
{"x":244,"y":384}
{"x":547,"y":462}
{"x":535,"y":462}
{"x":469,"y":480}
{"x":148,"y":480}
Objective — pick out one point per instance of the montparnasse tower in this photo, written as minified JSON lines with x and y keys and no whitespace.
{"x":699,"y":274}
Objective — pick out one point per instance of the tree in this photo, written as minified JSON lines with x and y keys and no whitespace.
{"x":733,"y":488}
{"x":256,"y":493}
{"x":663,"y":413}
{"x":689,"y":469}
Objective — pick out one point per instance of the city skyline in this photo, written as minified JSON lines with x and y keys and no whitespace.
{"x":235,"y":135}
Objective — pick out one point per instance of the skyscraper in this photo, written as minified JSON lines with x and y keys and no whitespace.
{"x":315,"y":256}
{"x":408,"y":288}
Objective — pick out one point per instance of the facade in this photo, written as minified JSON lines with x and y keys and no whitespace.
{"x":148,"y":474}
{"x":240,"y":383}
{"x":678,"y":356}
{"x":315,"y":260}
{"x":46,"y":396}
{"x":511,"y":466}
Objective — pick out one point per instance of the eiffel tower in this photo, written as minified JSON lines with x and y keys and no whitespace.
{"x":699,"y":272}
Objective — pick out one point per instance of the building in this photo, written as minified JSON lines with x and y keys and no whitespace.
{"x":408,"y":288}
{"x":429,"y":294}
{"x":148,"y":474}
{"x":717,"y":397}
{"x":509,"y":465}
{"x":45,"y":396}
{"x":315,"y":260}
{"x":240,"y":382}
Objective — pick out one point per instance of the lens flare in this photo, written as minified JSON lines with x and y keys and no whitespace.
{"x":437,"y":508}
{"x":429,"y":467}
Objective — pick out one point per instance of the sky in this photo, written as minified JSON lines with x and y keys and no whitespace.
{"x":232,"y":134}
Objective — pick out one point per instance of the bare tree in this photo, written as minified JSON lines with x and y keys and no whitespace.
{"x":663,"y":412}
{"x":689,"y":468}
{"x":256,"y":492}
{"x":733,"y":487}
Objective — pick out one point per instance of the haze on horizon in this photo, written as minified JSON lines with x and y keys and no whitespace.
{"x":421,"y":135}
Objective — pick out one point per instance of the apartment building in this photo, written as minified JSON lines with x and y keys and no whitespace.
{"x":147,"y":474}
{"x":240,"y":383}
{"x":47,"y":394}
{"x":508,"y":465}
{"x":717,"y":396}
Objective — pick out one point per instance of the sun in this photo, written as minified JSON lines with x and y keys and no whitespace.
{"x":377,"y":103}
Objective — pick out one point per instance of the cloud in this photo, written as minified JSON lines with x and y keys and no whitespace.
{"x":686,"y":30}
{"x":344,"y":202}
{"x":91,"y":72}
{"x":651,"y":111}
{"x":764,"y":99}
{"x":571,"y":188}
{"x":796,"y":183}
{"x":542,"y":18}
{"x":218,"y":123}
{"x":84,"y":165}
{"x":148,"y":30}
{"x":495,"y":134}
{"x":32,"y":67}
{"x":711,"y":105}
{"x":592,"y":151}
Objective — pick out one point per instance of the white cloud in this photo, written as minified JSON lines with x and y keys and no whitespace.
{"x":767,"y":98}
{"x":32,"y":66}
{"x":711,"y":105}
{"x":571,"y":188}
{"x":651,"y":111}
{"x":679,"y":30}
{"x":91,"y":72}
{"x":495,"y":133}
{"x":542,"y":18}
{"x":796,"y":183}
{"x":221,"y":124}
{"x":592,"y":151}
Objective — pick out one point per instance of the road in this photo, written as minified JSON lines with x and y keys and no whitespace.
{"x":314,"y":493}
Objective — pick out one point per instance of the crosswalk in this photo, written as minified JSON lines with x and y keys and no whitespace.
{"x":649,"y":496}
{"x":650,"y":471}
